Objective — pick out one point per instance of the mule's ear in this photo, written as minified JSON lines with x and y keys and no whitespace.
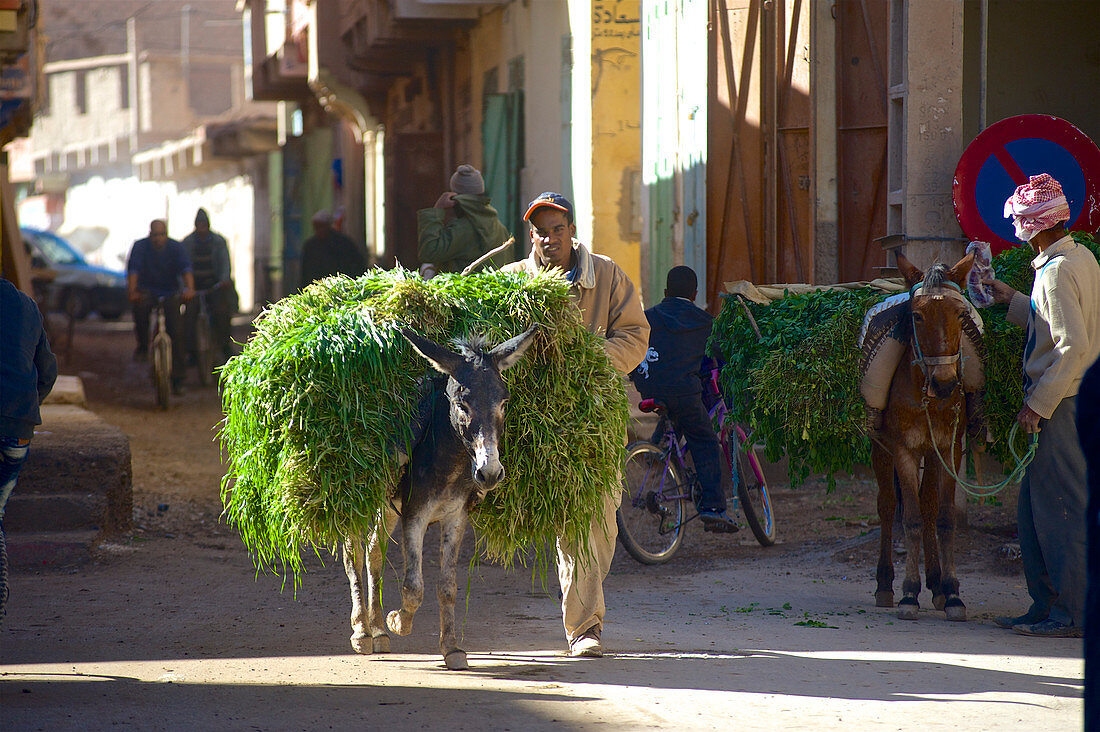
{"x":443,"y":359}
{"x":507,"y":354}
{"x":911,"y":274}
{"x":961,"y":271}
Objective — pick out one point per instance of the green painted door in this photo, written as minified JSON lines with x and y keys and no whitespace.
{"x":502,"y":145}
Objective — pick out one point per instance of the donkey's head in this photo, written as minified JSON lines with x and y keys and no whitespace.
{"x":938,"y":308}
{"x":477,"y":395}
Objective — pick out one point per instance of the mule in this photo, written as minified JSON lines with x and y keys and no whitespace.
{"x":454,"y":463}
{"x":924,"y":411}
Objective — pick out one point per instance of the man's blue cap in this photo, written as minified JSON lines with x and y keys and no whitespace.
{"x":551,"y":200}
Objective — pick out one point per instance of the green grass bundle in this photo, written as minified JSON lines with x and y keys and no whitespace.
{"x":325,"y":390}
{"x":797,"y":384}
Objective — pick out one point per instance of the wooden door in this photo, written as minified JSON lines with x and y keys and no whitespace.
{"x":414,"y":179}
{"x":861,"y":55}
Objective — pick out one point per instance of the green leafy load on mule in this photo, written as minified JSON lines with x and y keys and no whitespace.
{"x":797,"y":384}
{"x":324,"y":393}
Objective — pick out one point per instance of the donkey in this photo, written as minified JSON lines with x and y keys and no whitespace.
{"x":922,"y":415}
{"x":436,"y":486}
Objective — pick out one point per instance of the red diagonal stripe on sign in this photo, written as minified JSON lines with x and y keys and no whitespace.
{"x":1014,"y":172}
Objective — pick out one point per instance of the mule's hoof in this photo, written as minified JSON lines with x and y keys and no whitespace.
{"x":955,"y":610}
{"x":884,"y":599}
{"x":380,"y":644}
{"x":456,"y":660}
{"x":938,"y":601}
{"x":908,"y":610}
{"x":393,"y":622}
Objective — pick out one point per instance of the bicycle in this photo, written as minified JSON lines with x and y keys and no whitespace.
{"x":660,"y":488}
{"x":160,"y":347}
{"x":204,"y":339}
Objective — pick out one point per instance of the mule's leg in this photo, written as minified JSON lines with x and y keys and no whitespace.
{"x":376,"y":556}
{"x":945,"y":525}
{"x":353,"y":566}
{"x":907,"y":467}
{"x":931,"y":486}
{"x":450,"y":539}
{"x":887,"y":504}
{"x":412,"y":589}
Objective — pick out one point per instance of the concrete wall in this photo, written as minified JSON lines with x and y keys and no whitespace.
{"x":616,"y":138}
{"x":933,"y":134}
{"x":61,"y":128}
{"x":1044,"y":58}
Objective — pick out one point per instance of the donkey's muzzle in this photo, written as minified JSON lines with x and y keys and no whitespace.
{"x":489,"y":476}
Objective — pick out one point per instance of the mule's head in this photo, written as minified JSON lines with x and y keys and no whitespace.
{"x":938,"y":309}
{"x":477,"y":395}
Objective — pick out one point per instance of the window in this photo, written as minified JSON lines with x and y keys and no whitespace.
{"x":124,"y":87}
{"x":80,"y":79}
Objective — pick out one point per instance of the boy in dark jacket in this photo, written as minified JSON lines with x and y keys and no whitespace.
{"x":678,"y":334}
{"x":27,"y":372}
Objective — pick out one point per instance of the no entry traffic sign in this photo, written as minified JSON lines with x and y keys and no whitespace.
{"x":1005,"y":154}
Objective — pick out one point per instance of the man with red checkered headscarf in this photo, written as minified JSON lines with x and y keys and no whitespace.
{"x":1062,"y":317}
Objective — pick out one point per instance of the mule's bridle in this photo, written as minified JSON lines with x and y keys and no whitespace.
{"x":926,"y":361}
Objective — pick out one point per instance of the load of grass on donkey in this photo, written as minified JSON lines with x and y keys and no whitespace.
{"x":326,"y":389}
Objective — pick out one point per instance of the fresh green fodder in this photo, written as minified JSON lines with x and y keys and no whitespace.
{"x":323,"y":394}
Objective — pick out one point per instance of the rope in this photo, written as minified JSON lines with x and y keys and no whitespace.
{"x":983,"y":491}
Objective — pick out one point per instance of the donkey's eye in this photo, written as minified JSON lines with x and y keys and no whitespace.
{"x":918,"y":318}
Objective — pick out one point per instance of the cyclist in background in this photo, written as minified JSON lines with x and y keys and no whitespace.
{"x":209,"y":255}
{"x":156,"y":267}
{"x":670,"y":373}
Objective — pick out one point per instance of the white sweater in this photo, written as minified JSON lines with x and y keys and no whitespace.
{"x":1063,"y":319}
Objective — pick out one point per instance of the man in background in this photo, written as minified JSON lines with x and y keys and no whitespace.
{"x":462,"y":226}
{"x":329,"y":252}
{"x":209,"y":255}
{"x":157,"y":267}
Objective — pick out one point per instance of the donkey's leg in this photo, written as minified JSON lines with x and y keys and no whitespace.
{"x":945,"y":524}
{"x":376,"y":556}
{"x":353,"y":566}
{"x":908,"y":477}
{"x":451,"y":531}
{"x":412,"y":589}
{"x":887,"y":504}
{"x":931,"y":485}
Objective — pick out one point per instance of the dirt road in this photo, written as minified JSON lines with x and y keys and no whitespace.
{"x":174,"y":630}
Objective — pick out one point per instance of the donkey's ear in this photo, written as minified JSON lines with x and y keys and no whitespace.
{"x":961,"y":271}
{"x":511,"y":351}
{"x":911,"y":274}
{"x":443,"y":359}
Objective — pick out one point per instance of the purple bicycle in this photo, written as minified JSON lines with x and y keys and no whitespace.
{"x":660,"y":489}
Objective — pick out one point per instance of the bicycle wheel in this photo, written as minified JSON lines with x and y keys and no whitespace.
{"x":651,"y":527}
{"x":162,"y":370}
{"x":752,"y":490}
{"x":204,"y":350}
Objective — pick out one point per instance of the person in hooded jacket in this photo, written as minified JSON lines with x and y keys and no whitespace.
{"x":461,"y":226}
{"x":670,"y":373}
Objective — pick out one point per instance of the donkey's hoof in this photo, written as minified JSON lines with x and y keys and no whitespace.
{"x":393,"y":622}
{"x":955,"y":610}
{"x":908,"y":610}
{"x":938,"y":601}
{"x":359,"y":643}
{"x":380,"y":644}
{"x":456,"y":660}
{"x":884,"y":598}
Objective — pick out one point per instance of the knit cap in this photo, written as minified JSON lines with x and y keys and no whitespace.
{"x":467,"y":179}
